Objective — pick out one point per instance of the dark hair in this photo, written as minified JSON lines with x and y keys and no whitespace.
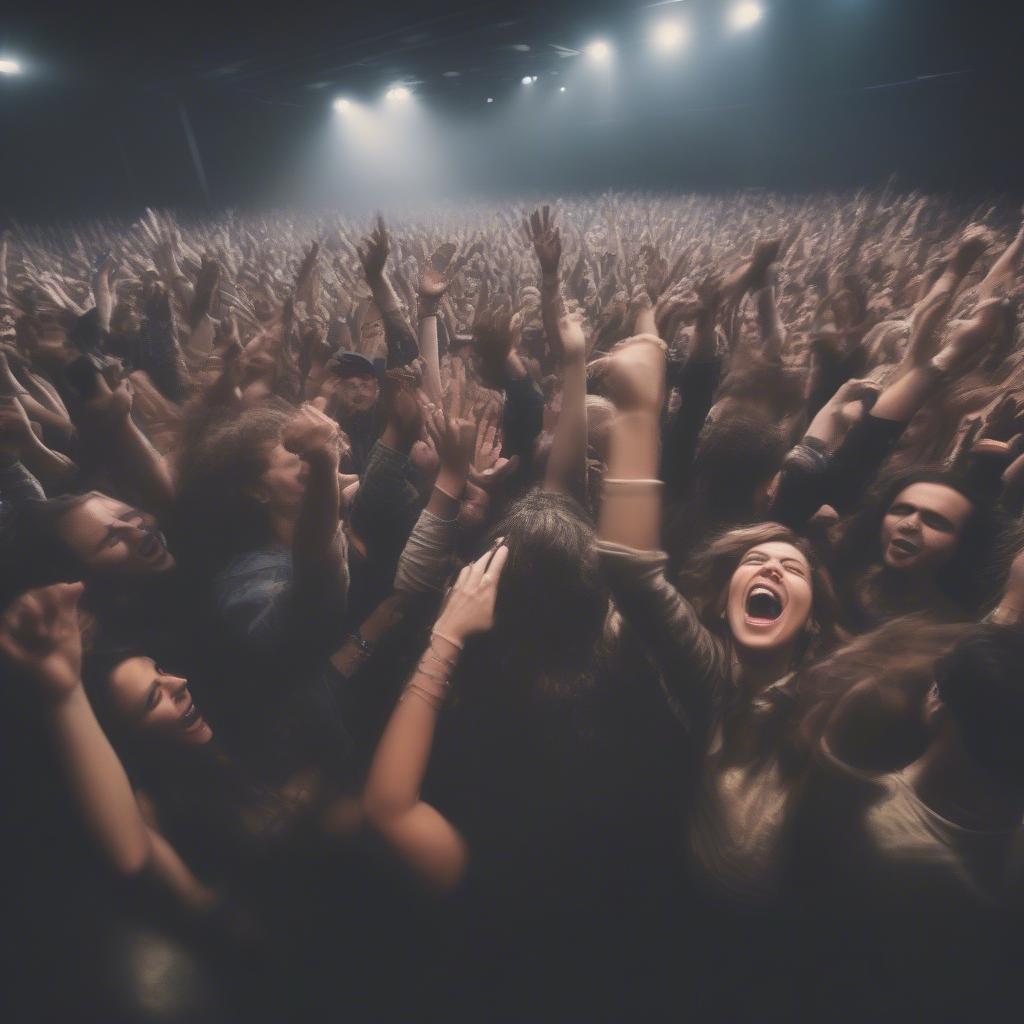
{"x":972,"y":575}
{"x":756,"y":379}
{"x":216,"y":515}
{"x":201,"y":794}
{"x":980,"y":682}
{"x":529,"y":722}
{"x":552,"y":601}
{"x":736,"y":454}
{"x":897,"y":661}
{"x":35,"y":554}
{"x":706,"y":584}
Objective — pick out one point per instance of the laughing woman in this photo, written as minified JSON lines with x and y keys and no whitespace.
{"x":761,"y":607}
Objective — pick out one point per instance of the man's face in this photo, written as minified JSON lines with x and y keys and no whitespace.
{"x":359,"y":393}
{"x":112,"y":538}
{"x":922,"y":528}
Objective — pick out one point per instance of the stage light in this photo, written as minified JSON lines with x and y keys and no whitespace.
{"x":9,"y":67}
{"x":341,"y":105}
{"x":745,"y":15}
{"x":397,"y":92}
{"x":490,"y":99}
{"x":669,"y":36}
{"x":598,"y":50}
{"x":561,"y":88}
{"x":528,"y":79}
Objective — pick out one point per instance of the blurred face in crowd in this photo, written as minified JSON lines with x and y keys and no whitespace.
{"x":358,"y":393}
{"x":283,"y":483}
{"x":110,"y":537}
{"x":153,"y":703}
{"x":770,"y":596}
{"x":923,"y":526}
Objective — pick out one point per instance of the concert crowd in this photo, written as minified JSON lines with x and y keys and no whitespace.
{"x":609,"y":610}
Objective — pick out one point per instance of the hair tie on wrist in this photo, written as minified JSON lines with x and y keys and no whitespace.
{"x":447,"y":494}
{"x":454,"y":643}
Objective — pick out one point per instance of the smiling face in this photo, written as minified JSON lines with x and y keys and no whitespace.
{"x":922,"y":527}
{"x":110,"y":537}
{"x":770,"y":597}
{"x":155,"y":704}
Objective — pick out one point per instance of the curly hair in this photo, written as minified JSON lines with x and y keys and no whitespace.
{"x":216,"y":515}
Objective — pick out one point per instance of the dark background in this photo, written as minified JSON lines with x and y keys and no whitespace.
{"x":822,"y":93}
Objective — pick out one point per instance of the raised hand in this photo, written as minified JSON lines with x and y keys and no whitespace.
{"x":310,"y":433}
{"x":489,"y":467}
{"x":655,"y":273}
{"x":976,"y":238}
{"x":545,"y":238}
{"x":633,"y":374}
{"x":40,"y":635}
{"x":225,"y":335}
{"x":570,"y":332}
{"x":453,"y":441}
{"x":373,"y":253}
{"x":405,"y":415}
{"x":433,"y":282}
{"x":493,"y":334}
{"x":469,"y":608}
{"x":966,"y":341}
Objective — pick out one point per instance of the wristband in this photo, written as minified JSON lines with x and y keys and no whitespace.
{"x":631,"y":487}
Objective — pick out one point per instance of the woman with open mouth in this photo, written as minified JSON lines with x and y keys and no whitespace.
{"x":761,"y":607}
{"x":162,"y":798}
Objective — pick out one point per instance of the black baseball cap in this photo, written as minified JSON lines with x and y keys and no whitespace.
{"x":353,"y":364}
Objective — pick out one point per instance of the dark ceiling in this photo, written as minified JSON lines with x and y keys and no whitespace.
{"x":849,"y":88}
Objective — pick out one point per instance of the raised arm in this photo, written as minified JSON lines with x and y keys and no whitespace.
{"x":1002,"y":273}
{"x":318,"y":544}
{"x":430,"y":291}
{"x":418,"y":832}
{"x":18,"y":439}
{"x":546,"y":239}
{"x":567,"y":461}
{"x":629,"y":526}
{"x":103,"y":292}
{"x":41,"y":639}
{"x":116,"y":442}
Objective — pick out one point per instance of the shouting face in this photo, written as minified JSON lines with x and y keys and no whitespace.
{"x":770,"y":597}
{"x":922,"y":527}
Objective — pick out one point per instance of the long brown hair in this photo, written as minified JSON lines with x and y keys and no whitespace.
{"x":705,"y":583}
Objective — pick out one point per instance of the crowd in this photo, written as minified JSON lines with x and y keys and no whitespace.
{"x":608,"y":612}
